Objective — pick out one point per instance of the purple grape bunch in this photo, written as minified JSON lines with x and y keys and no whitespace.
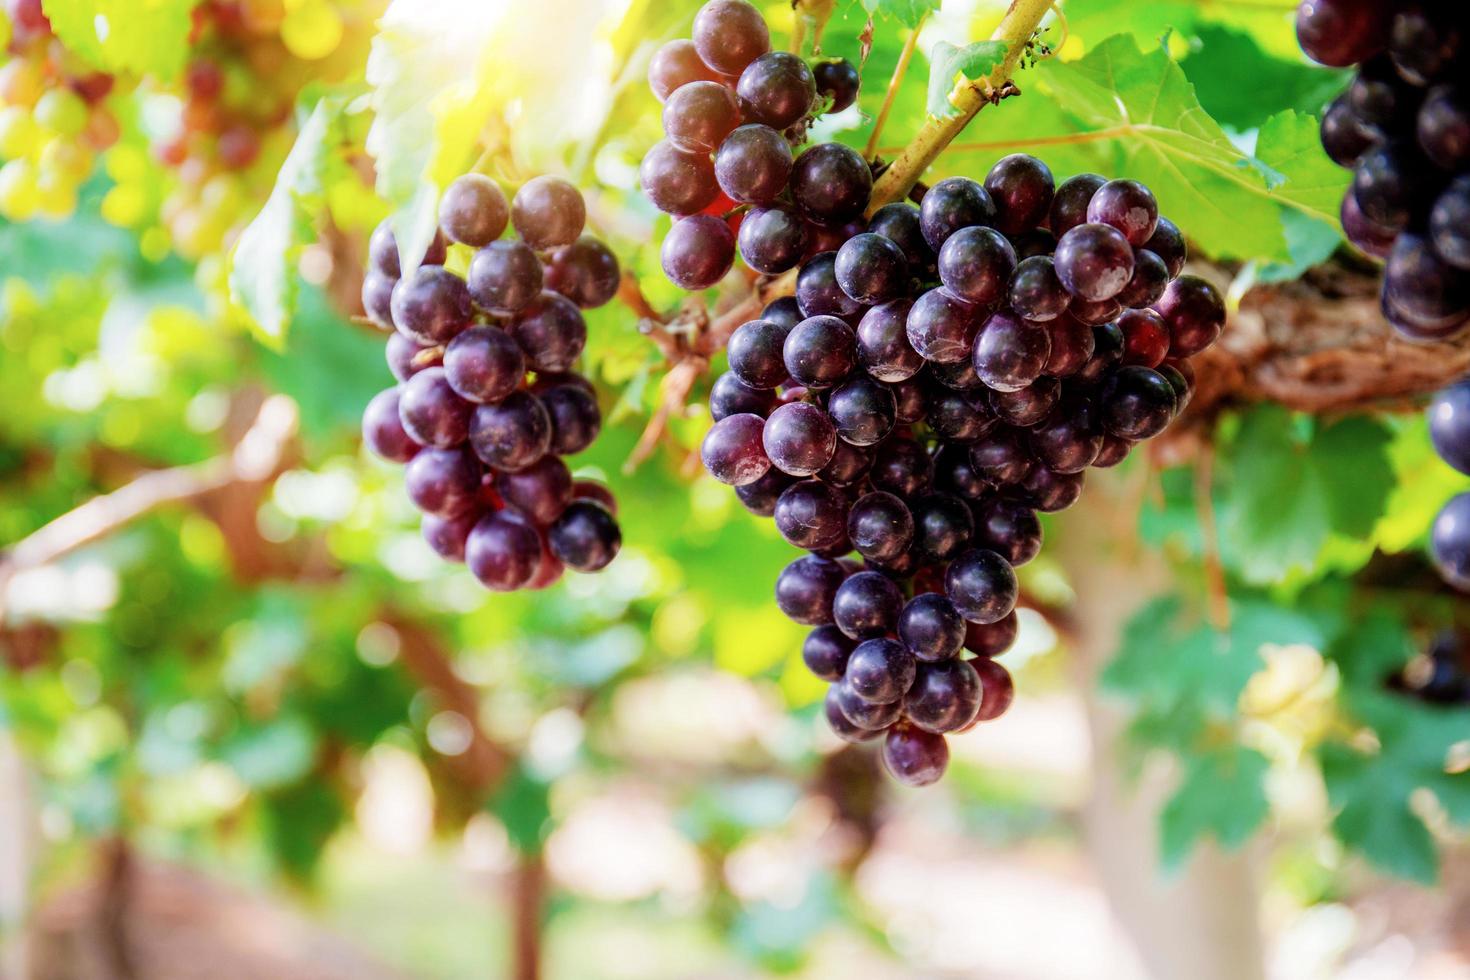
{"x":944,"y":374}
{"x":1403,"y":128}
{"x":733,"y":109}
{"x":488,"y":399}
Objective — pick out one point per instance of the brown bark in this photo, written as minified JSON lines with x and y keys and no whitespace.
{"x":528,"y":898}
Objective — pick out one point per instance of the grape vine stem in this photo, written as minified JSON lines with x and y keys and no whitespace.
{"x":894,"y":83}
{"x":969,"y":97}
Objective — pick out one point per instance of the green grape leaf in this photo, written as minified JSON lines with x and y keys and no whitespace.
{"x":1144,"y":111}
{"x":1226,"y":55}
{"x":433,"y":88}
{"x":947,"y":63}
{"x":1222,"y":795}
{"x":1286,"y":490}
{"x":909,"y":13}
{"x":123,"y":35}
{"x":1182,"y":21}
{"x":263,"y":276}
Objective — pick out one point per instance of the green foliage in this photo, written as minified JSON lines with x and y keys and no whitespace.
{"x":125,"y":36}
{"x":949,"y":63}
{"x":909,"y":13}
{"x":1222,"y":794}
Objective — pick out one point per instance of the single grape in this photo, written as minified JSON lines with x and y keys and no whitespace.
{"x":880,"y":670}
{"x":931,"y":627}
{"x":1145,"y":338}
{"x":677,"y":183}
{"x":432,"y":305}
{"x":776,"y":89}
{"x":869,"y":716}
{"x":1449,"y":542}
{"x":1449,"y":223}
{"x":753,"y":164}
{"x":866,"y":606}
{"x":505,"y":277}
{"x":541,"y":491}
{"x":732,"y":450}
{"x":817,"y":290}
{"x":1051,"y":492}
{"x":899,"y":222}
{"x":1368,"y":237}
{"x":551,"y":332}
{"x":484,"y":364}
{"x":755,"y":353}
{"x":842,"y":726}
{"x":880,"y":526}
{"x":812,"y":515}
{"x":849,"y":466}
{"x":1113,"y":452}
{"x":445,"y":482}
{"x":976,"y":264}
{"x":1026,"y":406}
{"x":585,"y":272}
{"x":863,"y":411}
{"x":941,"y":327}
{"x":512,"y":435}
{"x":1168,"y":244}
{"x":377,"y":299}
{"x":473,"y":211}
{"x":1424,"y":290}
{"x":698,"y":251}
{"x":1137,"y":403}
{"x":1036,"y":292}
{"x":1001,"y":459}
{"x":1069,"y":204}
{"x":991,"y":639}
{"x":1009,"y":352}
{"x":820,"y":351}
{"x":915,"y":757}
{"x":806,"y":587}
{"x":1425,"y":41}
{"x":1094,"y":261}
{"x":448,"y":535}
{"x":1128,"y":206}
{"x":942,"y":526}
{"x":826,"y":650}
{"x":1195,"y":313}
{"x":1181,"y":376}
{"x":785,"y":311}
{"x":772,"y":239}
{"x":1339,"y":33}
{"x":982,"y":585}
{"x":1449,"y":425}
{"x":1072,"y":346}
{"x":883,"y":348}
{"x":871,"y":269}
{"x":1009,"y":528}
{"x":837,"y":79}
{"x":585,"y":537}
{"x":945,"y":696}
{"x":799,"y":438}
{"x":403,"y":356}
{"x":503,"y":553}
{"x":731,"y":396}
{"x":831,"y":182}
{"x":1383,"y":102}
{"x":997,"y":689}
{"x":1070,"y":439}
{"x":956,"y":416}
{"x":382,"y":429}
{"x":548,"y":212}
{"x":383,"y":251}
{"x":902,"y":466}
{"x":430,"y":411}
{"x":1444,"y":128}
{"x":1107,"y":353}
{"x":730,"y":34}
{"x":1390,"y":182}
{"x":698,"y":116}
{"x":675,"y":64}
{"x":1150,"y":279}
{"x":575,"y":417}
{"x":1343,"y":135}
{"x":1022,"y":188}
{"x":952,"y":204}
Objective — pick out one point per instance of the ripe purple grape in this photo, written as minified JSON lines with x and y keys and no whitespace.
{"x":776,"y":89}
{"x":731,"y":396}
{"x":899,"y":222}
{"x":1145,"y":338}
{"x":1168,"y":244}
{"x":698,"y":116}
{"x":484,"y":364}
{"x":1449,"y":425}
{"x":945,"y":696}
{"x":445,"y":482}
{"x":1036,"y":292}
{"x":548,"y":212}
{"x":817,"y":291}
{"x":732,"y":450}
{"x":585,"y":272}
{"x":1425,"y":41}
{"x":812,"y":515}
{"x":677,"y":183}
{"x":541,"y":491}
{"x":831,"y":182}
{"x":942,"y":526}
{"x":772,"y":239}
{"x":1026,"y":406}
{"x":1022,"y":188}
{"x":431,"y":413}
{"x":863,"y":411}
{"x":976,"y":265}
{"x":866,"y":606}
{"x":403,"y":354}
{"x":753,"y":164}
{"x":982,"y":585}
{"x":952,"y":204}
{"x":1389,"y":182}
{"x":505,"y":277}
{"x":1094,"y":261}
{"x":1000,"y":459}
{"x":931,"y":627}
{"x":760,"y":496}
{"x":473,"y":211}
{"x":1150,"y":279}
{"x":1137,"y":403}
{"x":941,"y":327}
{"x":1449,"y":224}
{"x":730,"y":34}
{"x":902,"y":466}
{"x":513,"y":434}
{"x":997,"y":689}
{"x":448,"y":535}
{"x":991,"y":639}
{"x":915,"y":757}
{"x":1128,"y":206}
{"x":377,"y":299}
{"x":551,"y":332}
{"x":1010,"y":353}
{"x":1072,"y":346}
{"x":825,"y":652}
{"x":880,"y":526}
{"x":820,"y":351}
{"x":1195,"y":313}
{"x":1070,"y":439}
{"x":1343,"y":136}
{"x":1009,"y":528}
{"x":503,"y":553}
{"x":799,"y":438}
{"x":1069,"y":204}
{"x":431,"y":306}
{"x":382,"y":429}
{"x":585,"y":537}
{"x":1449,"y":542}
{"x":675,"y":64}
{"x":880,"y":670}
{"x":871,"y":269}
{"x":837,"y":79}
{"x":383,"y":251}
{"x":805,"y":589}
{"x":575,"y":418}
{"x":868,"y":716}
{"x":1051,"y":492}
{"x":698,"y":251}
{"x":1339,"y":33}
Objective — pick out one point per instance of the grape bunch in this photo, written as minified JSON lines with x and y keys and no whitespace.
{"x":732,"y":110}
{"x":1403,"y":128}
{"x":54,"y":117}
{"x":1442,"y":676}
{"x":488,"y":400}
{"x":943,"y":375}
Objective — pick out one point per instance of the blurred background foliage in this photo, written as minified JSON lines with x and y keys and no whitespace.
{"x":270,"y":679}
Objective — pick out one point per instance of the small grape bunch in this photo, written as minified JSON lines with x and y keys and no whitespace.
{"x":732,"y":111}
{"x":488,"y":401}
{"x":1403,"y":128}
{"x":942,"y":376}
